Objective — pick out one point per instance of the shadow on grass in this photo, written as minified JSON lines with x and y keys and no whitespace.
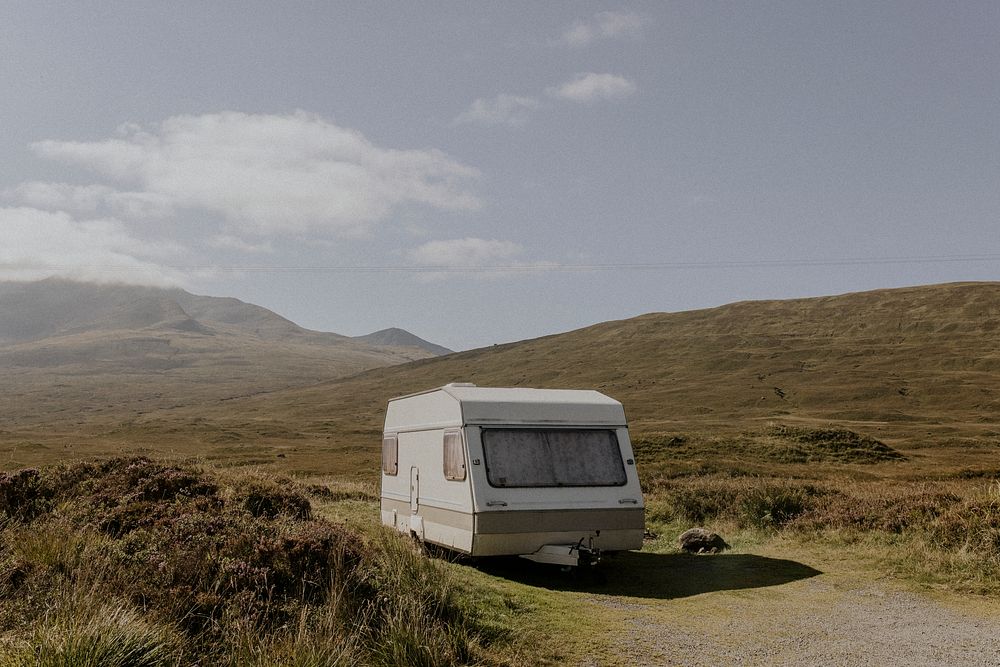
{"x":662,"y":576}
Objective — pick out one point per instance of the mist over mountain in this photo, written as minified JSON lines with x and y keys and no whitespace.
{"x":67,"y":346}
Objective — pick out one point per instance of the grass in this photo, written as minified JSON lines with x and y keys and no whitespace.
{"x":859,"y":428}
{"x":136,"y":562}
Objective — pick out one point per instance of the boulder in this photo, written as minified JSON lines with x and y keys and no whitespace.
{"x":701,"y":541}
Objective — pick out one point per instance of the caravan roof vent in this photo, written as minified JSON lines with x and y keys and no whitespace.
{"x":460,"y":384}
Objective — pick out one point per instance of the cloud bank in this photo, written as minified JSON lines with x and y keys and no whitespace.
{"x":36,"y":244}
{"x":248,"y":180}
{"x":268,"y":174}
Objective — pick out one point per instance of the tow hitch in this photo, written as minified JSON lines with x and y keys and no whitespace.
{"x":567,"y":555}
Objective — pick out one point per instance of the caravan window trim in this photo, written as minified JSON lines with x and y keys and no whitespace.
{"x":390,"y":455}
{"x":453,"y":450}
{"x":619,"y":473}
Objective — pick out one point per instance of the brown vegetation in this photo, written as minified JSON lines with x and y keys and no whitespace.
{"x":130,"y":561}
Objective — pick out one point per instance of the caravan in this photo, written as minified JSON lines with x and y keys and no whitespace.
{"x":547,"y":474}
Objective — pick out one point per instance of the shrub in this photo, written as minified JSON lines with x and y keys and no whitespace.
{"x":869,"y":507}
{"x":774,"y":505}
{"x":22,"y":495}
{"x":226,"y":571}
{"x":269,"y":498}
{"x":750,"y":502}
{"x":832,"y":444}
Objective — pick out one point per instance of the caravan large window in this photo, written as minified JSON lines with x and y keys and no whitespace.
{"x":552,"y":457}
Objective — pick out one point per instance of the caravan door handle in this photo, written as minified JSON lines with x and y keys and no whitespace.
{"x":495,"y":503}
{"x":624,"y":501}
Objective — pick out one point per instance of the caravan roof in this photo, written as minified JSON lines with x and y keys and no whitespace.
{"x":461,"y":404}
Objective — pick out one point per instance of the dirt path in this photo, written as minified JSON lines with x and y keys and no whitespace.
{"x":805,"y":623}
{"x":744,"y":609}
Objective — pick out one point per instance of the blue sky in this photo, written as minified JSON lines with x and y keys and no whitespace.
{"x":481,"y":173}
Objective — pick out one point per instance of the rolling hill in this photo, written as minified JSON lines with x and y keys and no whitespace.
{"x":915,"y":366}
{"x":402,"y":338}
{"x":70,"y":351}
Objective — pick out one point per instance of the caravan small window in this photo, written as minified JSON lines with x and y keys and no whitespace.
{"x":454,"y":456}
{"x":390,"y":455}
{"x":552,"y":457}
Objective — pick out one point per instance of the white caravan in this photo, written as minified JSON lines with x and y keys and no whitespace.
{"x":547,"y":474}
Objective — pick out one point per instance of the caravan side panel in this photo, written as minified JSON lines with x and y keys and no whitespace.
{"x":436,"y":509}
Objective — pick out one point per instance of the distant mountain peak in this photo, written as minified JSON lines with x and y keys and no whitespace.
{"x":396,"y":337}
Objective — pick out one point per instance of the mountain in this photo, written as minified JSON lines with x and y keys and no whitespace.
{"x":401,"y":338}
{"x":916,"y":367}
{"x":55,"y":307}
{"x":72,"y":350}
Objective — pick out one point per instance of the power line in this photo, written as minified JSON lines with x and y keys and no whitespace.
{"x":538,"y":267}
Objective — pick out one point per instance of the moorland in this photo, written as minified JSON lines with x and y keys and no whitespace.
{"x":851,"y":438}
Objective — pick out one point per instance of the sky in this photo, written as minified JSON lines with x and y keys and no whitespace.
{"x":480,"y":173}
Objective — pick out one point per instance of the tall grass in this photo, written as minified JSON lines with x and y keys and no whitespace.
{"x":141,"y":563}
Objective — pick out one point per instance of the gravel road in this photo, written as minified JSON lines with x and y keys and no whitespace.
{"x":823,"y":620}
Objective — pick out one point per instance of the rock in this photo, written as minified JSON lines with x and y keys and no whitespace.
{"x":701,"y":541}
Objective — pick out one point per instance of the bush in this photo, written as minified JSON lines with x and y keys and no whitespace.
{"x":22,"y":496}
{"x":226,"y":571}
{"x":774,"y":505}
{"x":868,"y":507}
{"x":750,"y":502}
{"x":269,"y":498}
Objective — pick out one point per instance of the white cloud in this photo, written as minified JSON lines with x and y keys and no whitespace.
{"x":467,"y":252}
{"x":89,"y":199}
{"x":36,"y":244}
{"x":61,"y":196}
{"x":590,"y":87}
{"x":270,"y":174}
{"x":602,"y":25}
{"x":503,"y":109}
{"x":227,"y":242}
{"x":472,"y":257}
{"x":514,"y":110}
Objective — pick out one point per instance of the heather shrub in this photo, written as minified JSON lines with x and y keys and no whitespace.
{"x":196,"y":569}
{"x":748,"y":501}
{"x":22,"y":495}
{"x":881,"y":507}
{"x":775,"y":504}
{"x":272,"y":498}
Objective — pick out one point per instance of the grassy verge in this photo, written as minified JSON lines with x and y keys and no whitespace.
{"x":943,"y":531}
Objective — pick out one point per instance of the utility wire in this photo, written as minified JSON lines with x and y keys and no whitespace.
{"x":543,"y":267}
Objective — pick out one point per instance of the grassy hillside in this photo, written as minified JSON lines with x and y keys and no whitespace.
{"x":913,"y":367}
{"x":855,"y":433}
{"x":916,"y":366}
{"x":73,"y":352}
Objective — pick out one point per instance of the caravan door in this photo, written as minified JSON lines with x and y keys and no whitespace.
{"x":416,"y":521}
